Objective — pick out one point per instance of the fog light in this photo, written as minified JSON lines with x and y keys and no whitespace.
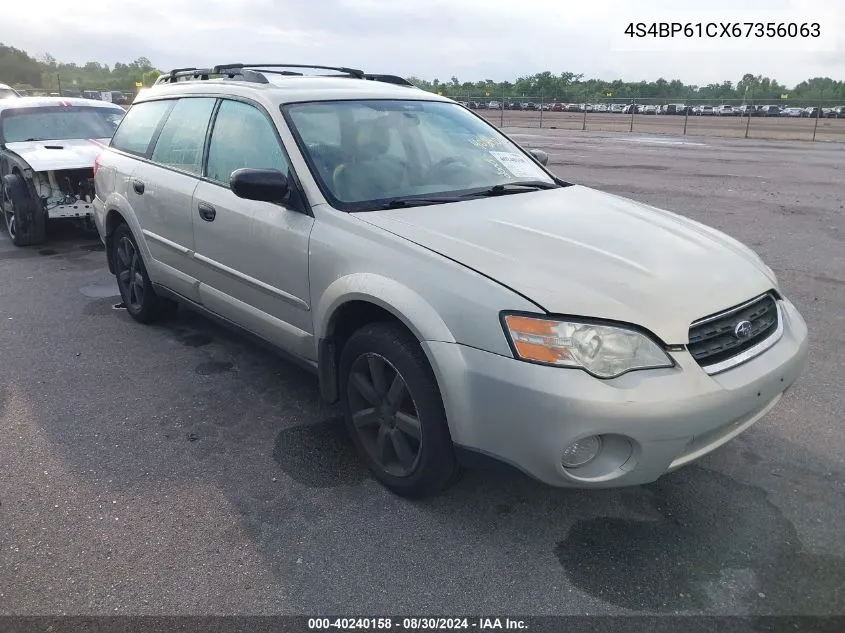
{"x":581,"y":452}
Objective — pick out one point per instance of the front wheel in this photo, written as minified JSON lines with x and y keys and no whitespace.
{"x":25,"y":220}
{"x":394,"y":411}
{"x":136,"y":290}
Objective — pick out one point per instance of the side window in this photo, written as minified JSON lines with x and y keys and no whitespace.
{"x":183,"y":136}
{"x":242,"y":137}
{"x":138,"y":126}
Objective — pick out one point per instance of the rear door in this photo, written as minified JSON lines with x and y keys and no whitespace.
{"x":254,"y":255}
{"x":162,"y":188}
{"x":129,"y":146}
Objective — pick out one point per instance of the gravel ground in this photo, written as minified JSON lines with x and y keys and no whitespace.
{"x":179,"y":469}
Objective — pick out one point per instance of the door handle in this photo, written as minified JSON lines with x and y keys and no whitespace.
{"x":138,"y":186}
{"x":206,"y":211}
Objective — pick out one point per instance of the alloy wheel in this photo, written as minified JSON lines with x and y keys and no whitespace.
{"x":130,"y":275}
{"x":384,"y":415}
{"x":9,"y":214}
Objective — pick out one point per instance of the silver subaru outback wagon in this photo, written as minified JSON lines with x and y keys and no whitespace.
{"x":456,"y":298}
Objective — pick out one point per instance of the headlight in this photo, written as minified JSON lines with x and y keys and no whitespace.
{"x":603,"y":350}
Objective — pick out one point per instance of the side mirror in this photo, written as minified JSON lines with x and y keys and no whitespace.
{"x":540,"y":155}
{"x":265,"y":185}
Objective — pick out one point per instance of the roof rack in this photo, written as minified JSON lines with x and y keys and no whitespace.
{"x":255,"y":73}
{"x":199,"y":74}
{"x":391,"y":79}
{"x":221,"y":68}
{"x":182,"y":74}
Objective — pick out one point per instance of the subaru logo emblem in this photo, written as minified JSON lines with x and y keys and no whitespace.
{"x":742,"y":329}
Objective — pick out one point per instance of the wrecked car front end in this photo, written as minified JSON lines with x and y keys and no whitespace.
{"x":60,"y":175}
{"x":48,"y":148}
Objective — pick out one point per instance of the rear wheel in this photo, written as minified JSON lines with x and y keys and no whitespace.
{"x":394,"y":411}
{"x":141,"y":301}
{"x":26,"y":221}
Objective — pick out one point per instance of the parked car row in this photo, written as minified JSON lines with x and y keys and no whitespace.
{"x":670,"y":108}
{"x":507,"y":105}
{"x":837,"y":112}
{"x":323,"y":218}
{"x":110,"y":96}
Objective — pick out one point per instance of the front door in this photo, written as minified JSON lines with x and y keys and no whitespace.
{"x":253,"y":256}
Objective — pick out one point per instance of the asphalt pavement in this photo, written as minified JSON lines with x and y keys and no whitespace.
{"x":180,"y":469}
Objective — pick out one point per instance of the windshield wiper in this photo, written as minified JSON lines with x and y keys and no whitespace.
{"x":29,"y":140}
{"x":401,"y":203}
{"x":512,"y":187}
{"x":495,"y":190}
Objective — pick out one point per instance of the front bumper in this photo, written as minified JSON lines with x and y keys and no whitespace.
{"x":80,"y":209}
{"x":651,"y":421}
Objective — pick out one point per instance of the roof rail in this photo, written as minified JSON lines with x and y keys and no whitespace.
{"x":189,"y":74}
{"x":341,"y":69}
{"x":182,"y":73}
{"x":255,"y":73}
{"x":391,"y":79}
{"x":180,"y":70}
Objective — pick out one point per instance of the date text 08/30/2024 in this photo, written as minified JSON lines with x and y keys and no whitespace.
{"x":415,"y":624}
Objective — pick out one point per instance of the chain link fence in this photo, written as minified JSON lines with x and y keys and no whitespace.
{"x":782,"y":119}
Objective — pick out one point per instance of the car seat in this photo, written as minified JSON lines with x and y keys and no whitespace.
{"x":372,"y":173}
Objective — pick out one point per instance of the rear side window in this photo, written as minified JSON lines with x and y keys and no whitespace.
{"x":182,"y":138}
{"x":243,"y":136}
{"x":138,"y":126}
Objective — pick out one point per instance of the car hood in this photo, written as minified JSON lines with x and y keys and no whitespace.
{"x":582,"y":252}
{"x":65,"y":154}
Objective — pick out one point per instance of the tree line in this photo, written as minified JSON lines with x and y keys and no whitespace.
{"x":20,"y":70}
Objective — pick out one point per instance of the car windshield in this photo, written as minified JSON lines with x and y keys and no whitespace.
{"x":58,"y":123}
{"x":5,"y":93}
{"x":366,"y":154}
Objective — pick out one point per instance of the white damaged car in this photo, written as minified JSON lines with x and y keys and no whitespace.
{"x":48,"y":147}
{"x":7,"y":92}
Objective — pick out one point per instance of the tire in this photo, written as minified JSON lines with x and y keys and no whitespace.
{"x":136,"y":290}
{"x":26,"y":221}
{"x":381,"y":420}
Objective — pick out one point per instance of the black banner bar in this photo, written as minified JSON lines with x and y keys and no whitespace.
{"x":297,"y":624}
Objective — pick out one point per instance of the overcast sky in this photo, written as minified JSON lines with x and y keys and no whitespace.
{"x":472,"y":39}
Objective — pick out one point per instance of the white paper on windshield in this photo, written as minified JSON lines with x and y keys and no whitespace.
{"x":517,"y":164}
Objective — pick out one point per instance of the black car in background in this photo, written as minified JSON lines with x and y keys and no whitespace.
{"x":676,"y":108}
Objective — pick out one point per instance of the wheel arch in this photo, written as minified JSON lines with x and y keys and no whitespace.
{"x":113,"y":218}
{"x":356,"y":300}
{"x":36,"y":214}
{"x":24,"y":172}
{"x":116,"y":211}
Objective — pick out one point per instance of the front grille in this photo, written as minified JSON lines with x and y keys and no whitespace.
{"x":713,"y":339}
